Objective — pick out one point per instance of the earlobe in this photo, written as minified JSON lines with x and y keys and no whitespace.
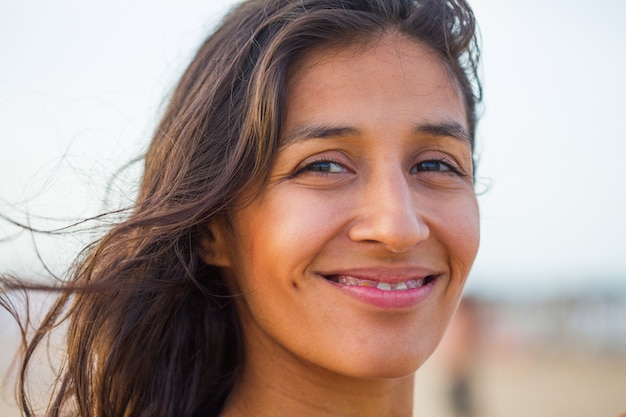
{"x":213,"y":245}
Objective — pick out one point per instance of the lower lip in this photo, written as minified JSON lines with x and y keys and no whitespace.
{"x":387,"y":299}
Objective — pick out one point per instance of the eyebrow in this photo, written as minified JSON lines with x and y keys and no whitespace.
{"x":451,"y":129}
{"x":319,"y":131}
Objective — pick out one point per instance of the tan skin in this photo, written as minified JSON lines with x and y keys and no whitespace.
{"x":374,"y":186}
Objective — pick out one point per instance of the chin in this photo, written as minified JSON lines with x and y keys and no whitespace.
{"x":397,"y":363}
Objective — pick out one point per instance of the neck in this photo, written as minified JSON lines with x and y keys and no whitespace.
{"x":272,"y":389}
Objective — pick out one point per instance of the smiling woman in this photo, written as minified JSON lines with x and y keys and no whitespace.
{"x":305,"y":224}
{"x":371,"y":220}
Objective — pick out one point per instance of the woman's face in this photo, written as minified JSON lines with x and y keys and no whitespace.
{"x":354,"y":255}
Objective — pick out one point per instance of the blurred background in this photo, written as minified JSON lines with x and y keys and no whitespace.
{"x":543,"y":329}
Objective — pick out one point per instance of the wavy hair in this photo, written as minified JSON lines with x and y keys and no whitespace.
{"x":151,"y":329}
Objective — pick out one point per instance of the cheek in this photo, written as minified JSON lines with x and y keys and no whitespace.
{"x":458,"y":227}
{"x":282,"y":234}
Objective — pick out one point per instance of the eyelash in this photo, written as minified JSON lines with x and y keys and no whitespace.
{"x":309,"y":167}
{"x":442,"y":162}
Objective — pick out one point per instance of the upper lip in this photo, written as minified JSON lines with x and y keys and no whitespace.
{"x":383,"y":274}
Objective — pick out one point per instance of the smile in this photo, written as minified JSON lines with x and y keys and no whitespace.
{"x":381,"y":285}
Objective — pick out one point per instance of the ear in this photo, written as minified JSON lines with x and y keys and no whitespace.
{"x":214,"y":247}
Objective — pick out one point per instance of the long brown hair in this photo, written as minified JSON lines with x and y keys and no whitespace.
{"x":151,"y":329}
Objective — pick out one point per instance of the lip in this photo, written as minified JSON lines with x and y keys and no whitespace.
{"x":385,"y":298}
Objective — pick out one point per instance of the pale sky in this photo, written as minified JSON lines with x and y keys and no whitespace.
{"x":82,"y":83}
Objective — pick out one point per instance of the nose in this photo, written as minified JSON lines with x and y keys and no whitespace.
{"x":388,"y":214}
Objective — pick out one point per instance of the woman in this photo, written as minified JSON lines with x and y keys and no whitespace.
{"x":304,"y":227}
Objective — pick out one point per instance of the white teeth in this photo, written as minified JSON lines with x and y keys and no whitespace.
{"x":401,"y":286}
{"x":383,"y":286}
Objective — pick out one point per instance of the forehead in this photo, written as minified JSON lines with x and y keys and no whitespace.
{"x":390,"y":75}
{"x":376,"y":51}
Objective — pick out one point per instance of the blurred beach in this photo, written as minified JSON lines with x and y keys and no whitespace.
{"x":559,"y":356}
{"x":552,"y":357}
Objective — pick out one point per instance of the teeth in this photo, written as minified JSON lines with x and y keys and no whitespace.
{"x":401,"y":286}
{"x":415,"y":283}
{"x":383,"y":286}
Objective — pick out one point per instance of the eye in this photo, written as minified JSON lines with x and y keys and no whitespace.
{"x":435,"y":165}
{"x":323,"y":166}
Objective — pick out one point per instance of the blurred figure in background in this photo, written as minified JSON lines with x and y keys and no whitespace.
{"x":460,"y":348}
